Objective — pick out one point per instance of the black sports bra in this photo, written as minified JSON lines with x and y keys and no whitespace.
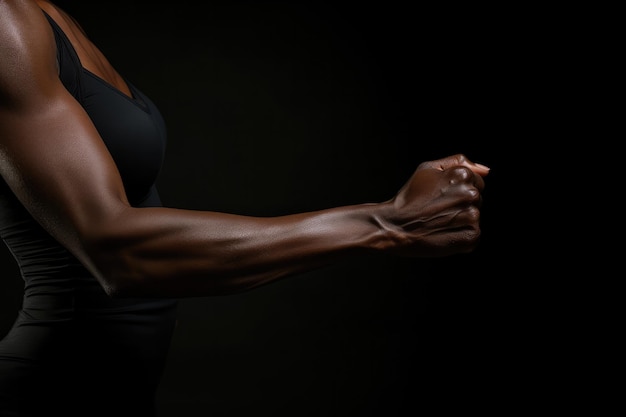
{"x":131,"y":127}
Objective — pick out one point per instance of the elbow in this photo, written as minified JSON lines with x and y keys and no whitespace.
{"x":120,"y":282}
{"x":115,"y":269}
{"x":111,"y":289}
{"x":115,"y":287}
{"x":120,"y":252}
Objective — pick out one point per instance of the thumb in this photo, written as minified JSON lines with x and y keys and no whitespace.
{"x":456,"y":160}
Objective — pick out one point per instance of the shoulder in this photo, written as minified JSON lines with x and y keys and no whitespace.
{"x":23,"y":27}
{"x":27,"y":47}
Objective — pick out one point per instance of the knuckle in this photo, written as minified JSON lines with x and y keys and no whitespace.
{"x":461,"y":158}
{"x":461,"y":174}
{"x":473,"y":214}
{"x":473,"y":236}
{"x":473,"y":195}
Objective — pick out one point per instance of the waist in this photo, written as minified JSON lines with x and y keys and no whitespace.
{"x":85,"y":300}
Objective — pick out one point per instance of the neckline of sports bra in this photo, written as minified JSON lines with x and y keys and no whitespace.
{"x":134,"y":96}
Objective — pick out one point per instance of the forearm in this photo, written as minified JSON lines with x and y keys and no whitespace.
{"x":182,"y":253}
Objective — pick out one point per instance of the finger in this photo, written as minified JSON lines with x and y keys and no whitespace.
{"x":464,"y":174}
{"x":456,"y":160}
{"x":479,"y":169}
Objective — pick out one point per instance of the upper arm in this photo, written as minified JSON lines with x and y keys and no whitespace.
{"x":51,"y":155}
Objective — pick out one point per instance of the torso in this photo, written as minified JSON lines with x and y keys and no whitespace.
{"x":71,"y":343}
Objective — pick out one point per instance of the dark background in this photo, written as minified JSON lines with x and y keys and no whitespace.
{"x":282,"y":107}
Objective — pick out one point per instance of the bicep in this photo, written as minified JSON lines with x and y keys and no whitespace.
{"x":55,"y":162}
{"x":51,"y":154}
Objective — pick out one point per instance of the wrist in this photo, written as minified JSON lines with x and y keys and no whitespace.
{"x":384,"y":235}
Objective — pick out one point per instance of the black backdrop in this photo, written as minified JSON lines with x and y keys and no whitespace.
{"x":279,"y":107}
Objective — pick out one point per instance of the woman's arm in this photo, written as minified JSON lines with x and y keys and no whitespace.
{"x":57,"y":165}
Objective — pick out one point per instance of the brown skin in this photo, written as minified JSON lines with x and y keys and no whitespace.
{"x":55,"y":162}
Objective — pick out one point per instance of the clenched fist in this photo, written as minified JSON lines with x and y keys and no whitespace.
{"x":437,"y":212}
